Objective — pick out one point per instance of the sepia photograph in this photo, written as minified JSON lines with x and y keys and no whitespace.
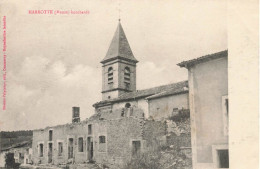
{"x":114,"y":84}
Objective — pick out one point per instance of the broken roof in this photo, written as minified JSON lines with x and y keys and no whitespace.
{"x":24,"y":144}
{"x":119,"y":47}
{"x":205,"y":58}
{"x":164,"y":90}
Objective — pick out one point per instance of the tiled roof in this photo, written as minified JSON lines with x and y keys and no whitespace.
{"x":170,"y":92}
{"x":203,"y":59}
{"x":170,"y":88}
{"x":119,"y":47}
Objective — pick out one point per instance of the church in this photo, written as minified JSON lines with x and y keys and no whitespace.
{"x":119,"y":84}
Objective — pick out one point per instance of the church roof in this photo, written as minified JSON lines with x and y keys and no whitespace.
{"x":119,"y":47}
{"x":160,"y":91}
{"x":203,"y":59}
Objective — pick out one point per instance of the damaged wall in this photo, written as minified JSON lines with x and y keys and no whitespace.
{"x":61,"y":134}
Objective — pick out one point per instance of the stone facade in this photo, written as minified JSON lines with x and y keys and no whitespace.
{"x":110,"y":139}
{"x":22,"y":153}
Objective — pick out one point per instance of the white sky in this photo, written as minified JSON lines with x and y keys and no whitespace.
{"x":53,"y":61}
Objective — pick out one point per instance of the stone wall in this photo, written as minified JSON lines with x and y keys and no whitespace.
{"x":160,"y":108}
{"x":60,"y":134}
{"x":113,"y":134}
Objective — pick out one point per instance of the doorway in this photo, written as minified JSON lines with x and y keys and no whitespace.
{"x":223,"y":159}
{"x":50,"y":153}
{"x":70,"y":148}
{"x":90,"y":148}
{"x":136,"y":148}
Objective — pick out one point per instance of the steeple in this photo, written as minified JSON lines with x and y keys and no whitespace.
{"x":118,"y":67}
{"x":119,"y":47}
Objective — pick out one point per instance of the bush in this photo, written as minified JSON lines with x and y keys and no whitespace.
{"x":160,"y":158}
{"x":182,"y":115}
{"x":149,"y":160}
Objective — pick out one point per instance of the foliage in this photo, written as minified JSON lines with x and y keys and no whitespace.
{"x":15,"y":134}
{"x":182,"y":115}
{"x":160,"y":158}
{"x":148,"y":160}
{"x":9,"y":138}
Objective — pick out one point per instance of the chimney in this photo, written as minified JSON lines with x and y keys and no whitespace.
{"x":75,"y":115}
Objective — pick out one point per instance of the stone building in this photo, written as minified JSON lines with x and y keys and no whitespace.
{"x":110,"y":138}
{"x":120,"y":128}
{"x":208,"y":98}
{"x":22,"y":153}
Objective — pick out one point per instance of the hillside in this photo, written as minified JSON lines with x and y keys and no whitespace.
{"x":9,"y":138}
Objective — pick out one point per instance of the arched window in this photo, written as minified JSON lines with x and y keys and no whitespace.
{"x":110,"y":75}
{"x":50,"y":135}
{"x":127,"y":105}
{"x":127,"y":76}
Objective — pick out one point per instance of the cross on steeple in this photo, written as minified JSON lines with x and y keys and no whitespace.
{"x":119,"y":10}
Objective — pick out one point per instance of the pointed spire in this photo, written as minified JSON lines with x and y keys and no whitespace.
{"x":119,"y":47}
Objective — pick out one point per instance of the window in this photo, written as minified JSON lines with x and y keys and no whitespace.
{"x":127,"y":105}
{"x":223,"y":159}
{"x":175,"y":111}
{"x":50,"y":135}
{"x":136,"y":148}
{"x":225,"y":111}
{"x":70,"y":148}
{"x":220,"y":156}
{"x":80,"y":144}
{"x":60,"y":148}
{"x":127,"y":77}
{"x":102,"y":139}
{"x":41,"y":150}
{"x":102,"y":144}
{"x":89,"y":129}
{"x":110,"y":75}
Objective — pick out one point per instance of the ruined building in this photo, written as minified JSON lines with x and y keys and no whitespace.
{"x":126,"y":122}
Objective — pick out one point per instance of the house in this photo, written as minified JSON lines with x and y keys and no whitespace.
{"x":22,"y":153}
{"x":208,"y":99}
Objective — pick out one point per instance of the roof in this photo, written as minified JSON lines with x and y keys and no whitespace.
{"x":205,"y":58}
{"x":164,"y":90}
{"x":24,"y":144}
{"x":170,"y":92}
{"x":119,"y":47}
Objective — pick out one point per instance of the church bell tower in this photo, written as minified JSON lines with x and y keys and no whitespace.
{"x":119,"y":67}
